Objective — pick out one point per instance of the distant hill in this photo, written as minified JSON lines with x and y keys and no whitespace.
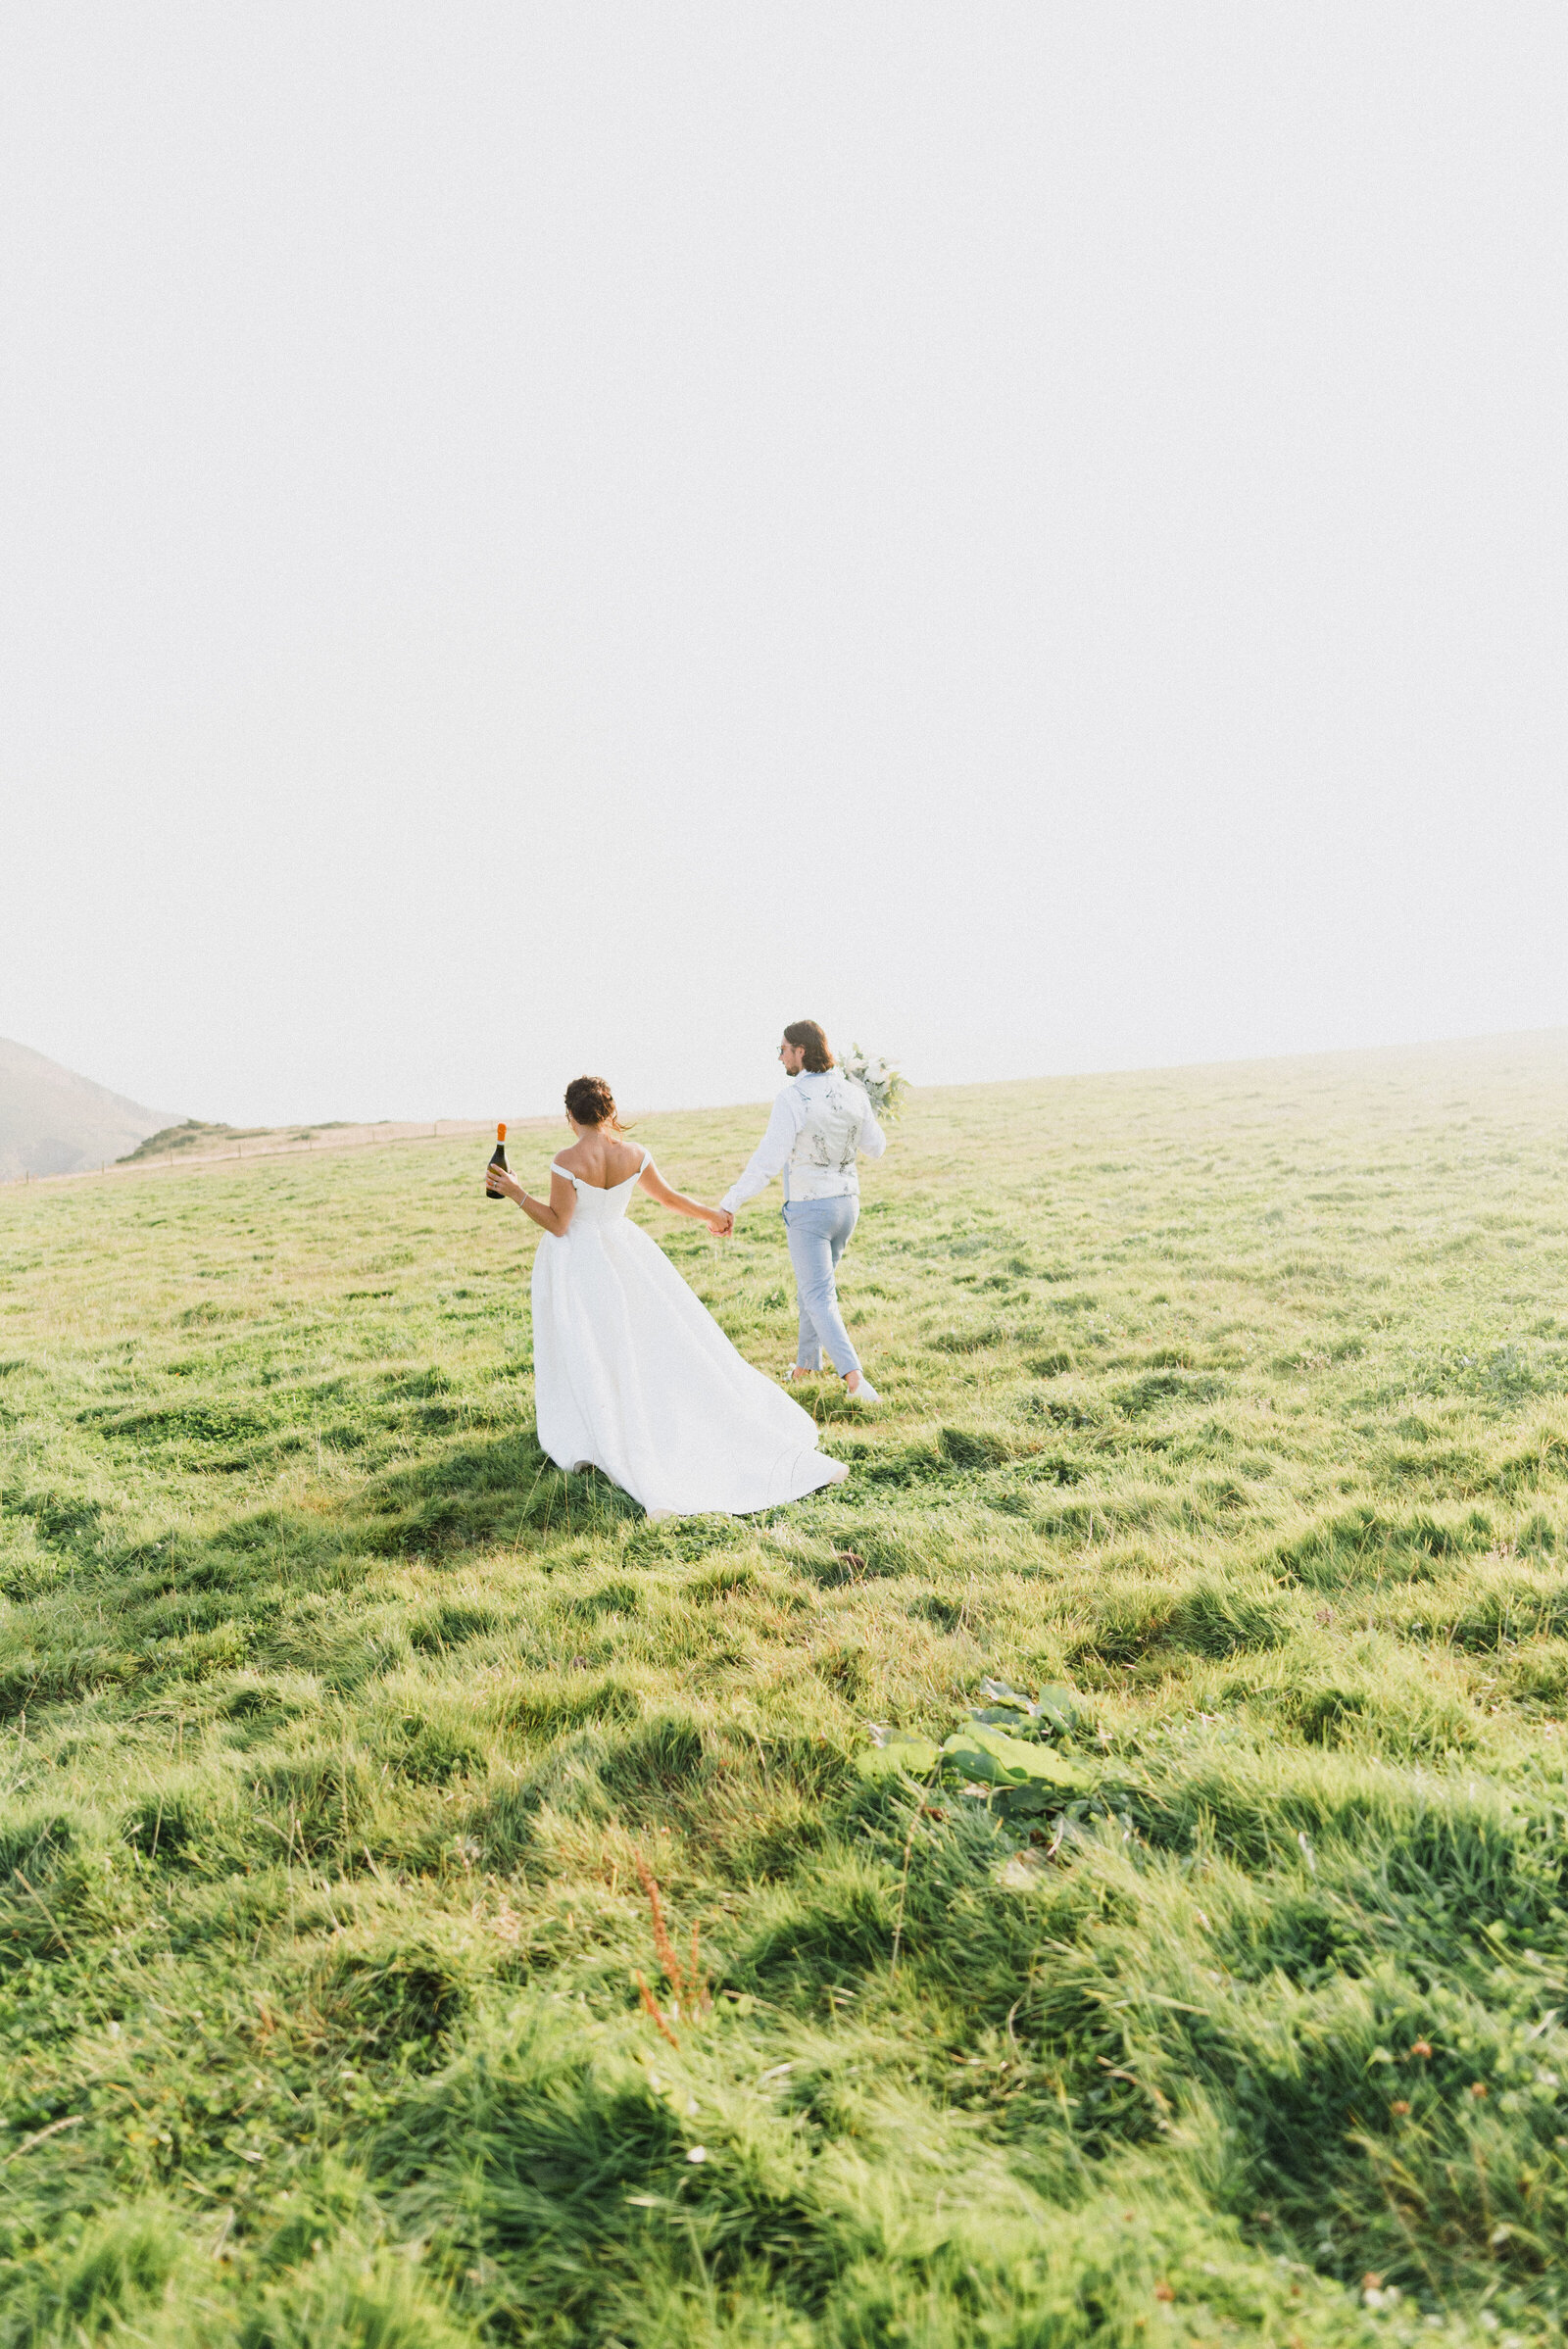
{"x":54,"y":1122}
{"x":193,"y":1135}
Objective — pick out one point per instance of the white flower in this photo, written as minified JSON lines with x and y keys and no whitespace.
{"x":880,"y":1080}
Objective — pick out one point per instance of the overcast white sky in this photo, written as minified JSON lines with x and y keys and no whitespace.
{"x":537,"y":538}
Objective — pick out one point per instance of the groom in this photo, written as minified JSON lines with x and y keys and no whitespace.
{"x":819,"y":1122}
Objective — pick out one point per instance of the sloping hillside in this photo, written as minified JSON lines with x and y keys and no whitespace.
{"x":54,"y":1122}
{"x":348,"y":1747}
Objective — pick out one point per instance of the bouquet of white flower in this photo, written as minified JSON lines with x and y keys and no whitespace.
{"x":884,"y":1085}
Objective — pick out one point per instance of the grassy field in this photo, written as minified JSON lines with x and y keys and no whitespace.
{"x":366,"y":1781}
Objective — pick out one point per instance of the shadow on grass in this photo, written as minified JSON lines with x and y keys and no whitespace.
{"x":486,"y":1492}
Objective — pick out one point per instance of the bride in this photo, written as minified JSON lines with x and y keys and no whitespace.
{"x":631,"y":1373}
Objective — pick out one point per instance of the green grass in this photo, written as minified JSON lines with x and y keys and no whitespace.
{"x":339,"y":1730}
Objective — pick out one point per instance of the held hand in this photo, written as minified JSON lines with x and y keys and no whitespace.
{"x":501,"y":1185}
{"x":720,"y":1222}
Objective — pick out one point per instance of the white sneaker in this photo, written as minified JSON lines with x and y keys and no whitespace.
{"x":864,"y":1392}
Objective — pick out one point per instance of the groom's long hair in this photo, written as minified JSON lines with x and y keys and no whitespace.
{"x":809,"y":1036}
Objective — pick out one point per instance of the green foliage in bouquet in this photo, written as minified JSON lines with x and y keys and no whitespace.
{"x":885,"y":1085}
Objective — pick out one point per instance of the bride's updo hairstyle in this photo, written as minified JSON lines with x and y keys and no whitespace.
{"x":809,"y":1036}
{"x":591,"y":1103}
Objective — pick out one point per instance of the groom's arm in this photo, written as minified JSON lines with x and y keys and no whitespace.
{"x":873,"y":1142}
{"x":771,"y":1153}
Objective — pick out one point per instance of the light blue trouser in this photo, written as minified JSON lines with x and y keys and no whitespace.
{"x":817,"y":1230}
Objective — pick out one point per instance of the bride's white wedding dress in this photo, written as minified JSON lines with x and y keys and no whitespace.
{"x":633,"y":1375}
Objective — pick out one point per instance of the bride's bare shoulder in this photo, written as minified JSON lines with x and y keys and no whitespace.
{"x":600,"y":1162}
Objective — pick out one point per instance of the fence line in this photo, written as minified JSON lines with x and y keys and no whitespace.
{"x":443,"y":1129}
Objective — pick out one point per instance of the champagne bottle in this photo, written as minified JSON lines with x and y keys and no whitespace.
{"x":497,"y":1157}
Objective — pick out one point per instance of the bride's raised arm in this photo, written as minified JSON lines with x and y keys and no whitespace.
{"x":717,"y":1219}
